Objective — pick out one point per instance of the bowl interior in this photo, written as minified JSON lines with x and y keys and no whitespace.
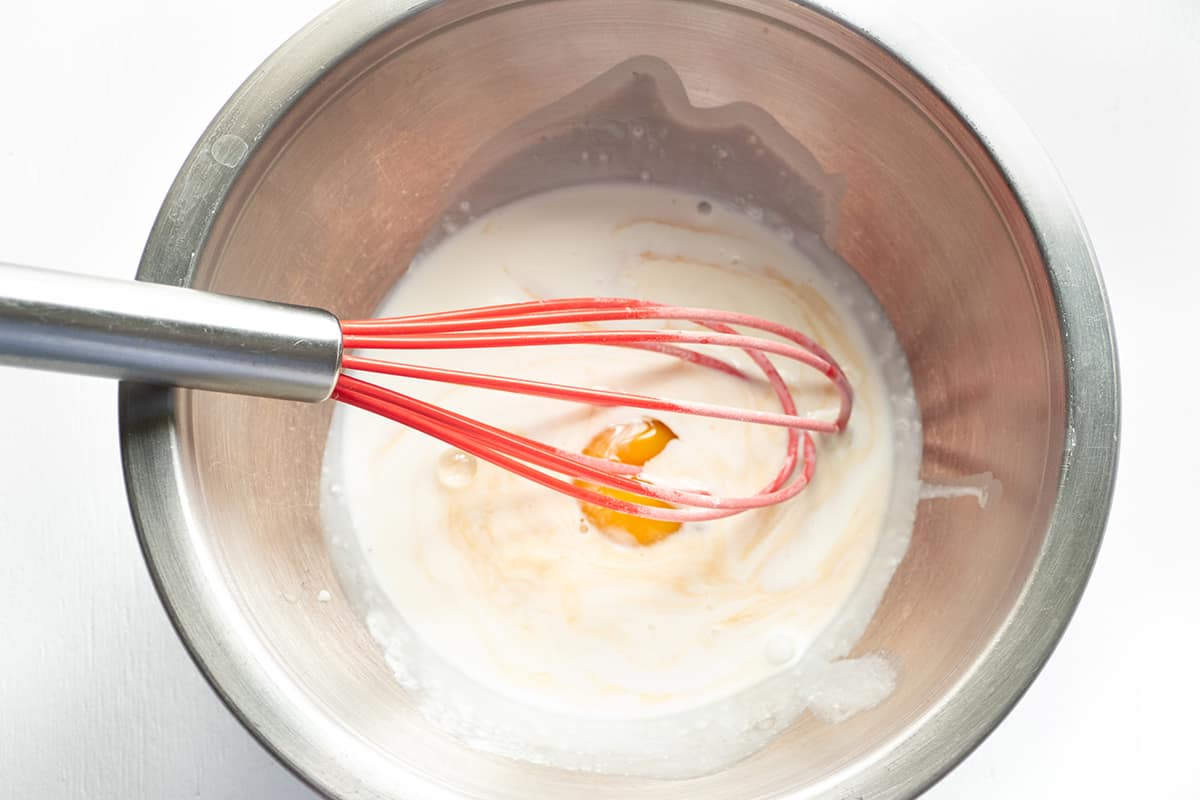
{"x":329,"y":207}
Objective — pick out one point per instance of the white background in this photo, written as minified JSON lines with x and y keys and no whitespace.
{"x":100,"y":103}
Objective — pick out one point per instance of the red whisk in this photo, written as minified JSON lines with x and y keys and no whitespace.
{"x":182,"y":337}
{"x":493,"y":326}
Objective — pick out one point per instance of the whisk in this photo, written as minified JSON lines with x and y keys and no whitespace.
{"x":174,"y":336}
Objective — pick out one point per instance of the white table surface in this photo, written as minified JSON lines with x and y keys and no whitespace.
{"x":99,"y":104}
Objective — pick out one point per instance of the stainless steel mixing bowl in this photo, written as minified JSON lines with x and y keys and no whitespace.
{"x":317,"y":181}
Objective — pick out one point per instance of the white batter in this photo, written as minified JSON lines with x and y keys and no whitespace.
{"x":524,"y":632}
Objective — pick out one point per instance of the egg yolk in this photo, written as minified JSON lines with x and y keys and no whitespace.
{"x":630,"y":443}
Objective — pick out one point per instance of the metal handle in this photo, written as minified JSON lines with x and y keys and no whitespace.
{"x":166,"y":335}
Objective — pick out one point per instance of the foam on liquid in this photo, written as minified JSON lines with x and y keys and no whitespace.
{"x":521,"y":631}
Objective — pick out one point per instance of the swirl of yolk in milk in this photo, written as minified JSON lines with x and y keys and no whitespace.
{"x":630,"y":443}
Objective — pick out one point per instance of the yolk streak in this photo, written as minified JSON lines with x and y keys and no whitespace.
{"x":630,"y":443}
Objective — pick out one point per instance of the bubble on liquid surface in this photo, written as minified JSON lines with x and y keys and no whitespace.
{"x":781,"y":648}
{"x":456,"y":469}
{"x":850,"y":686}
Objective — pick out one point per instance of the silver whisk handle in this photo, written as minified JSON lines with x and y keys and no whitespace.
{"x":166,"y":335}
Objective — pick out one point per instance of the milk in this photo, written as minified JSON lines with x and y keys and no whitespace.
{"x":524,"y":632}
